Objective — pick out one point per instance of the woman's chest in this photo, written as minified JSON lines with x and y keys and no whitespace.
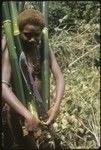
{"x":35,"y":71}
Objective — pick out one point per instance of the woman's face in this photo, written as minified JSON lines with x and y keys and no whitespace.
{"x":31,"y":35}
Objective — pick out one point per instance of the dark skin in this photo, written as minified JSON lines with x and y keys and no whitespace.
{"x":31,"y":35}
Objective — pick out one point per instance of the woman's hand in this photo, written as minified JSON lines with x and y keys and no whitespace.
{"x":53,"y":112}
{"x":33,"y":126}
{"x":31,"y":123}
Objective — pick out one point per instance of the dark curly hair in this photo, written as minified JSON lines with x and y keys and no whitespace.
{"x":30,"y":16}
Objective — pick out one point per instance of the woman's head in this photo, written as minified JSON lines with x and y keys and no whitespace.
{"x":31,"y":22}
{"x":31,"y":16}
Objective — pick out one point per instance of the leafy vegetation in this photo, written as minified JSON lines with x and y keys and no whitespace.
{"x":74,"y":37}
{"x":74,"y":33}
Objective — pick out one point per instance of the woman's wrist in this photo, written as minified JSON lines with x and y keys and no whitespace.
{"x":57,"y":103}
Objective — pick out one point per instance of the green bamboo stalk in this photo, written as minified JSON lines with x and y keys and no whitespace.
{"x":39,"y":5}
{"x":21,"y":6}
{"x":29,"y":101}
{"x":5,"y":14}
{"x":16,"y":76}
{"x":14,"y":14}
{"x":45,"y":70}
{"x":19,"y":48}
{"x":45,"y":11}
{"x":45,"y":63}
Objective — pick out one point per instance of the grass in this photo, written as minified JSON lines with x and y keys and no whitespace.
{"x":78,"y":122}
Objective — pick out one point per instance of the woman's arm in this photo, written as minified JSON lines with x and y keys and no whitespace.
{"x":7,"y":94}
{"x":59,"y":90}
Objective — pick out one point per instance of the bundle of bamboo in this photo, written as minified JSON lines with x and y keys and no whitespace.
{"x":16,"y":76}
{"x":11,"y":30}
{"x":10,"y":27}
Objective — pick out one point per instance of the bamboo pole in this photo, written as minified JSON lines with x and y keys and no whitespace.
{"x":13,"y":10}
{"x":16,"y":76}
{"x":20,"y":6}
{"x":45,"y":63}
{"x":45,"y":11}
{"x":17,"y":85}
{"x":39,"y":5}
{"x":14,"y":14}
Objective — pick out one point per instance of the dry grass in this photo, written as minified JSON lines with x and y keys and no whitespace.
{"x":79,"y":120}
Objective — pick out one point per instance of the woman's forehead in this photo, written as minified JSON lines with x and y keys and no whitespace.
{"x":31,"y":28}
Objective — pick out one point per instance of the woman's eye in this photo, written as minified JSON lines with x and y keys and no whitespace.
{"x":28,"y":35}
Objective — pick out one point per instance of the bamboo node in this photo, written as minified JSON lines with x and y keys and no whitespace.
{"x":6,"y":21}
{"x":16,"y":33}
